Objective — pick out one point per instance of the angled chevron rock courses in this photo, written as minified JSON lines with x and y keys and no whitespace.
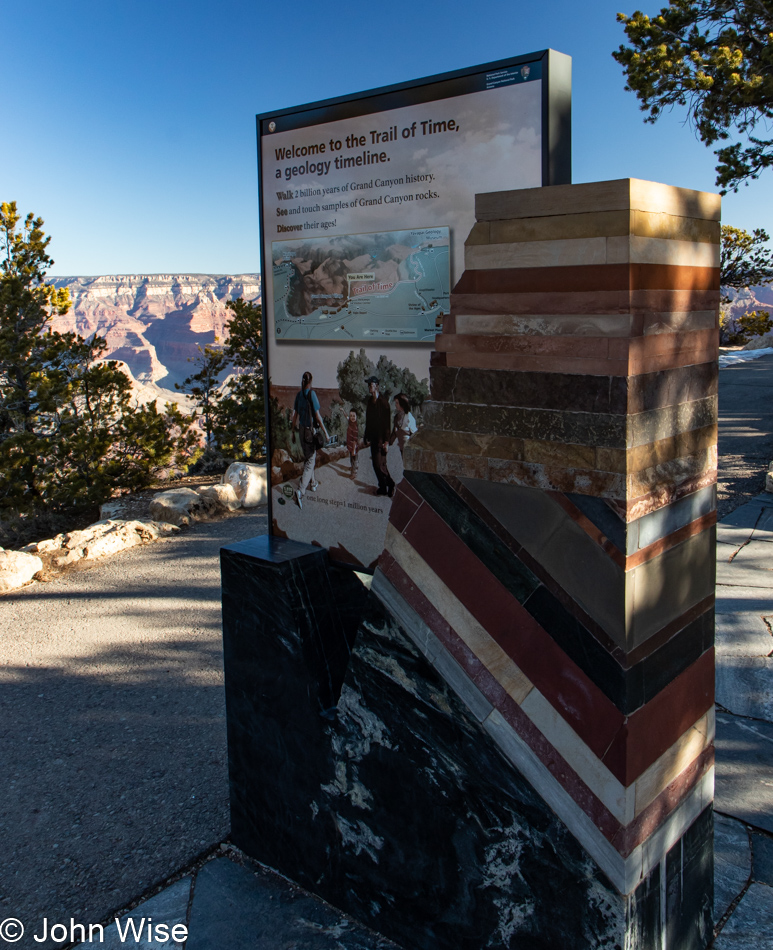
{"x":556,"y":526}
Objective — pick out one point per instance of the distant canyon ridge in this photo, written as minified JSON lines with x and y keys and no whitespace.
{"x":153,"y":323}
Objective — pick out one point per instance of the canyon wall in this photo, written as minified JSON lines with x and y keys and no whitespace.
{"x":154,"y":322}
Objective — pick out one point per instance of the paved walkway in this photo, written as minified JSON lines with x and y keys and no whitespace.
{"x":744,"y":787}
{"x":745,"y":431}
{"x":112,"y":728}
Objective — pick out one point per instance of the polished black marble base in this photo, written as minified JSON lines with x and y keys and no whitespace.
{"x":397,"y":807}
{"x":288,"y":623}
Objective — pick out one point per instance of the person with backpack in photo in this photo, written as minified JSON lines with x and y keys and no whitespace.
{"x":305,"y":419}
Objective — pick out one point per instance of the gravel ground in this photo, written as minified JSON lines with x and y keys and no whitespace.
{"x":112,"y":727}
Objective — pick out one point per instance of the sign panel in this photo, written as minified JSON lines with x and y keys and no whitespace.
{"x":395,"y":285}
{"x":366,"y":203}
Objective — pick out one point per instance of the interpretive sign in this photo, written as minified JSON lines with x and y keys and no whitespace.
{"x":365,"y":203}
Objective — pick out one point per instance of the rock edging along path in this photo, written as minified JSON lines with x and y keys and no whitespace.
{"x":243,"y":486}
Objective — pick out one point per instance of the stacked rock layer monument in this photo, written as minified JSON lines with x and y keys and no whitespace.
{"x":521,"y":748}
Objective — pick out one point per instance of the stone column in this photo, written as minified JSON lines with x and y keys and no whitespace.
{"x":521,"y":748}
{"x":554,"y":536}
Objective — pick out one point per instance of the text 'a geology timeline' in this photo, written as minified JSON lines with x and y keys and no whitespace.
{"x":317,"y":164}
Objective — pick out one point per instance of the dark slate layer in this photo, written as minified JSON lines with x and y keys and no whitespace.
{"x":653,"y":425}
{"x":600,"y":430}
{"x":628,"y":689}
{"x":571,"y":428}
{"x":671,"y":387}
{"x":401,"y":811}
{"x":568,"y":392}
{"x":635,"y":535}
{"x":558,"y":391}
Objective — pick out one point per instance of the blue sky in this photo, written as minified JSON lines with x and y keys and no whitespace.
{"x":129,"y":127}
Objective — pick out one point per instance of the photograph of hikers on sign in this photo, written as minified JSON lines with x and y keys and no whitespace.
{"x":336,"y":454}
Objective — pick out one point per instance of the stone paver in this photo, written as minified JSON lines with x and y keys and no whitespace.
{"x":141,"y":926}
{"x":749,"y":928}
{"x":745,"y":686}
{"x":234,"y":907}
{"x":752,"y":566}
{"x":753,"y":520}
{"x":732,"y":862}
{"x":762,"y":859}
{"x":744,"y":785}
{"x":743,"y":632}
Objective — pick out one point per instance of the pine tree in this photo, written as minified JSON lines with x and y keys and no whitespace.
{"x":715,"y":57}
{"x":241,"y":416}
{"x":69,"y":433}
{"x":745,"y":261}
{"x":204,"y":387}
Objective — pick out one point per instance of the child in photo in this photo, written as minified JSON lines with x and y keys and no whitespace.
{"x":405,"y":424}
{"x":353,"y":443}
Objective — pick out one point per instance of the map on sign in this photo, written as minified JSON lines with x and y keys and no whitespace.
{"x":392,"y":285}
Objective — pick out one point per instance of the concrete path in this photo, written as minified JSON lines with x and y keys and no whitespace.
{"x":745,"y":431}
{"x":112,"y":728}
{"x":744,"y":785}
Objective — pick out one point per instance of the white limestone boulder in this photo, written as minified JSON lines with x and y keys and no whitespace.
{"x":101,"y":539}
{"x":45,"y":547}
{"x":64,"y":557}
{"x":222,"y":497}
{"x":105,"y":538}
{"x":248,"y":482}
{"x":17,"y":569}
{"x":112,"y":510}
{"x":178,"y":506}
